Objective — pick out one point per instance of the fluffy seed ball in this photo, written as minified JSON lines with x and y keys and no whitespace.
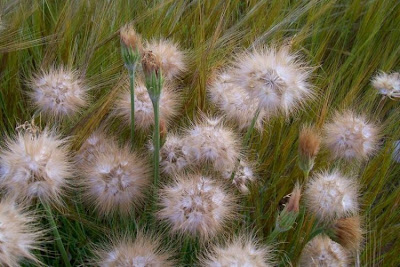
{"x":58,"y":92}
{"x":97,"y":142}
{"x":235,"y":102}
{"x":196,"y":205}
{"x":242,"y":251}
{"x":276,"y":77}
{"x":141,"y":252}
{"x":211,"y":142}
{"x":396,"y":151}
{"x":35,"y":165}
{"x":173,"y":160}
{"x":243,"y":176}
{"x":350,"y":136}
{"x":321,"y":251}
{"x":171,"y":58}
{"x":387,"y":84}
{"x":115,"y":180}
{"x":18,"y":235}
{"x":331,"y":195}
{"x":144,"y":114}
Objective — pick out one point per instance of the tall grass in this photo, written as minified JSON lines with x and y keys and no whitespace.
{"x":348,"y":41}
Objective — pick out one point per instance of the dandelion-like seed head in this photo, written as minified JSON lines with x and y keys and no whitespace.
{"x":241,"y":251}
{"x":235,"y":102}
{"x":141,"y":252}
{"x":276,"y":77}
{"x":97,"y":142}
{"x":35,"y":165}
{"x":169,"y":56}
{"x":173,"y":160}
{"x":387,"y":84}
{"x":18,"y":235}
{"x":144,"y":114}
{"x":196,"y":205}
{"x":321,"y":251}
{"x":330,"y":195}
{"x":243,"y":176}
{"x":211,"y":142}
{"x":350,"y":136}
{"x":115,"y":180}
{"x":348,"y":232}
{"x":58,"y":92}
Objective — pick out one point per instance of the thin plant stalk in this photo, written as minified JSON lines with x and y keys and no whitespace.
{"x":132,"y":91}
{"x":156,"y":142}
{"x":57,"y":236}
{"x":247,"y":136}
{"x":250,"y":130}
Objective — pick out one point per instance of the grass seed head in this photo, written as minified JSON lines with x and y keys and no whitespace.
{"x":58,"y":92}
{"x":115,"y":180}
{"x":350,"y":136}
{"x":36,"y":165}
{"x":211,"y":142}
{"x":144,"y":113}
{"x":196,"y":205}
{"x":19,"y":235}
{"x":235,"y":102}
{"x":387,"y":84}
{"x":330,"y":195}
{"x":171,"y":59}
{"x":276,"y":77}
{"x":173,"y":161}
{"x":243,"y":176}
{"x":140,"y":252}
{"x":241,"y":251}
{"x":321,"y":251}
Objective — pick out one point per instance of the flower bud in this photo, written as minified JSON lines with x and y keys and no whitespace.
{"x":131,"y":46}
{"x":309,"y":144}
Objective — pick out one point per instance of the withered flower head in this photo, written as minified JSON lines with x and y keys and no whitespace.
{"x":150,"y":64}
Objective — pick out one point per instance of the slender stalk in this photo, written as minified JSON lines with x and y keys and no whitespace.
{"x":251,"y":128}
{"x":247,"y":137}
{"x":57,"y":236}
{"x":156,"y":142}
{"x":132,"y":90}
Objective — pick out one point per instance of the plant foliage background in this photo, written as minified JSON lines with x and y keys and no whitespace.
{"x":348,"y":41}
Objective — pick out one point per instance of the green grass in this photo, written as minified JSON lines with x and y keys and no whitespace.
{"x":347,"y":41}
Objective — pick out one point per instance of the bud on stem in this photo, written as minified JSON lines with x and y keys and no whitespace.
{"x":309,"y":144}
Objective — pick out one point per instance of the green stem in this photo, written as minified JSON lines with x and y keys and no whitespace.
{"x":156,"y":142}
{"x":251,"y":128}
{"x":56,"y":235}
{"x":132,"y":90}
{"x":247,"y":137}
